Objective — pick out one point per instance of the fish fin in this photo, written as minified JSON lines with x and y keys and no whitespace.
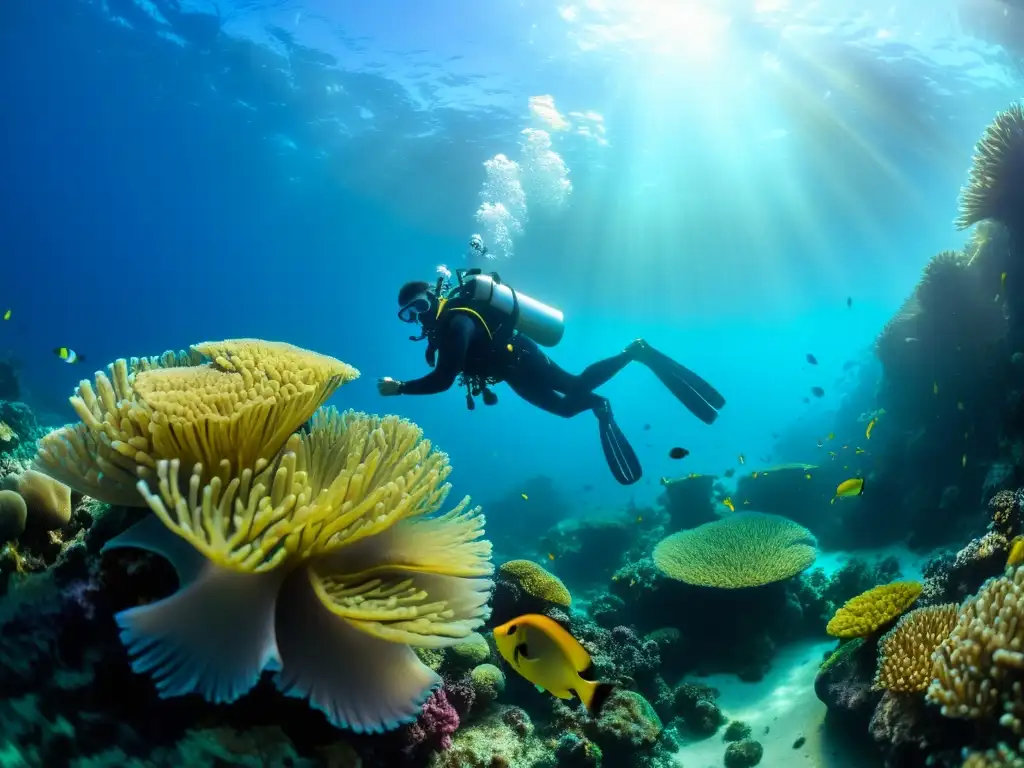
{"x":594,"y":695}
{"x":539,"y":688}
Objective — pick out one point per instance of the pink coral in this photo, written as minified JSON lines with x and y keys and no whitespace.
{"x":437,"y":722}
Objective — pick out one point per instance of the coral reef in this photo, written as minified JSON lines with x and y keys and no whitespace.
{"x":867,"y":613}
{"x":743,"y":550}
{"x":905,"y":652}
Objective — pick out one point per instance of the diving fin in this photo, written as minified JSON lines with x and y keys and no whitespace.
{"x":699,"y":397}
{"x":619,"y":454}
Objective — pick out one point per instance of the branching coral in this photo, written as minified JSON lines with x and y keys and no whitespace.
{"x":537,"y":581}
{"x":746,"y":549}
{"x":994,"y":189}
{"x":317,"y":555}
{"x":979,"y":668}
{"x":905,"y":651}
{"x":872,"y":610}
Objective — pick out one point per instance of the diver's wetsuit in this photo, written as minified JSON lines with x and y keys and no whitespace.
{"x":463,"y":346}
{"x":533,"y":376}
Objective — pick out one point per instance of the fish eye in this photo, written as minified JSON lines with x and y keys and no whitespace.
{"x":512,"y":628}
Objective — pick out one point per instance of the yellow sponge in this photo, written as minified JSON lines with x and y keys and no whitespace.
{"x":867,"y":612}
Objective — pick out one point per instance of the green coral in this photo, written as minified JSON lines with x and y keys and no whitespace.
{"x":746,"y":549}
{"x":845,"y":650}
{"x":488,"y":682}
{"x":627,"y":724}
{"x":737,"y":730}
{"x":743,"y":754}
{"x":432,"y":657}
{"x":537,"y":581}
{"x":474,"y":650}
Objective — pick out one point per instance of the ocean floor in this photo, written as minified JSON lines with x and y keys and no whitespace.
{"x":780,"y":709}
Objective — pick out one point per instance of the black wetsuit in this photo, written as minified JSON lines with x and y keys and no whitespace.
{"x":530,"y":373}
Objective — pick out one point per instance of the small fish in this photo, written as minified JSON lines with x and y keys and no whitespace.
{"x":647,"y":427}
{"x":525,"y":497}
{"x":693,"y":475}
{"x":729,"y":472}
{"x":68,"y":355}
{"x":830,"y":436}
{"x":849,"y":302}
{"x":1016,"y":556}
{"x":1002,"y":281}
{"x":845,"y":447}
{"x":753,"y":475}
{"x":812,"y":359}
{"x":871,"y":426}
{"x":745,"y":502}
{"x":860,"y":451}
{"x":817,"y":391}
{"x":833,"y":454}
{"x":808,"y":475}
{"x":821,"y":443}
{"x":546,"y":655}
{"x":727,"y":502}
{"x":909,"y":340}
{"x":678,"y":453}
{"x":963,"y":461}
{"x":741,"y":459}
{"x":935,"y":388}
{"x":551,"y":556}
{"x":959,"y":406}
{"x":639,"y":518}
{"x":7,"y":315}
{"x":852,"y":487}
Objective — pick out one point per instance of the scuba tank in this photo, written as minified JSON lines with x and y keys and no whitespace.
{"x":532,"y":318}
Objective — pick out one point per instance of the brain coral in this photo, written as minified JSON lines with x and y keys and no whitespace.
{"x":977,"y":670}
{"x":313,"y":550}
{"x":13,"y":514}
{"x":746,"y":549}
{"x":867,"y":612}
{"x":48,"y":500}
{"x":905,"y":651}
{"x":537,"y":581}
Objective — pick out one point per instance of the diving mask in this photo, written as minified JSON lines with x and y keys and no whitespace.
{"x":411,"y":312}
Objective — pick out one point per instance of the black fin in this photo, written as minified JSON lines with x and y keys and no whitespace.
{"x":604,"y":690}
{"x":699,"y":397}
{"x":619,"y":454}
{"x":522,"y":651}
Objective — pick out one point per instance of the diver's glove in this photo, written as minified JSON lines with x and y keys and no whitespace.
{"x":388,"y":386}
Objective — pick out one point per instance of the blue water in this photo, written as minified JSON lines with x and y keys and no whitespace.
{"x":176,"y":172}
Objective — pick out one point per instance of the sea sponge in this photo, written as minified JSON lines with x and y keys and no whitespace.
{"x":488,"y":682}
{"x":238,"y":406}
{"x":905,"y":651}
{"x":977,"y":670}
{"x":48,"y":500}
{"x":322,"y":558}
{"x":994,"y":189}
{"x":743,"y":754}
{"x":537,"y":581}
{"x":13,"y":514}
{"x":746,"y":549}
{"x":868,"y":611}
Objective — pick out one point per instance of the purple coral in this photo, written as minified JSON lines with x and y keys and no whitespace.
{"x":79,"y":594}
{"x":437,"y":722}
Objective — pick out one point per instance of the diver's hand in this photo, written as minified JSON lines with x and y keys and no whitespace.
{"x":388,"y":386}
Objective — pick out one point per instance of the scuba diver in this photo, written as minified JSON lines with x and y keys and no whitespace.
{"x":483,"y":332}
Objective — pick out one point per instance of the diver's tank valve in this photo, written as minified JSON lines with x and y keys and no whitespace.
{"x":532,"y":318}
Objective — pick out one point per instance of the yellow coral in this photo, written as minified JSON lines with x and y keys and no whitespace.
{"x":48,"y":500}
{"x":537,"y":581}
{"x":6,"y":433}
{"x":905,"y":651}
{"x":871,"y":610}
{"x":1003,"y":757}
{"x":977,"y":669}
{"x":238,"y":407}
{"x":320,"y":555}
{"x":746,"y":549}
{"x":13,"y":513}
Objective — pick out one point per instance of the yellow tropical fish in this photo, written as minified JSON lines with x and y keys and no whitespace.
{"x":830,"y":436}
{"x":871,"y":425}
{"x":753,"y":475}
{"x":7,"y":315}
{"x":68,"y":355}
{"x":1016,"y":556}
{"x":728,"y":503}
{"x":860,"y":451}
{"x":551,"y":556}
{"x":1002,"y":281}
{"x":852,"y":487}
{"x":639,"y":518}
{"x":542,"y":651}
{"x":525,"y":497}
{"x":808,"y":475}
